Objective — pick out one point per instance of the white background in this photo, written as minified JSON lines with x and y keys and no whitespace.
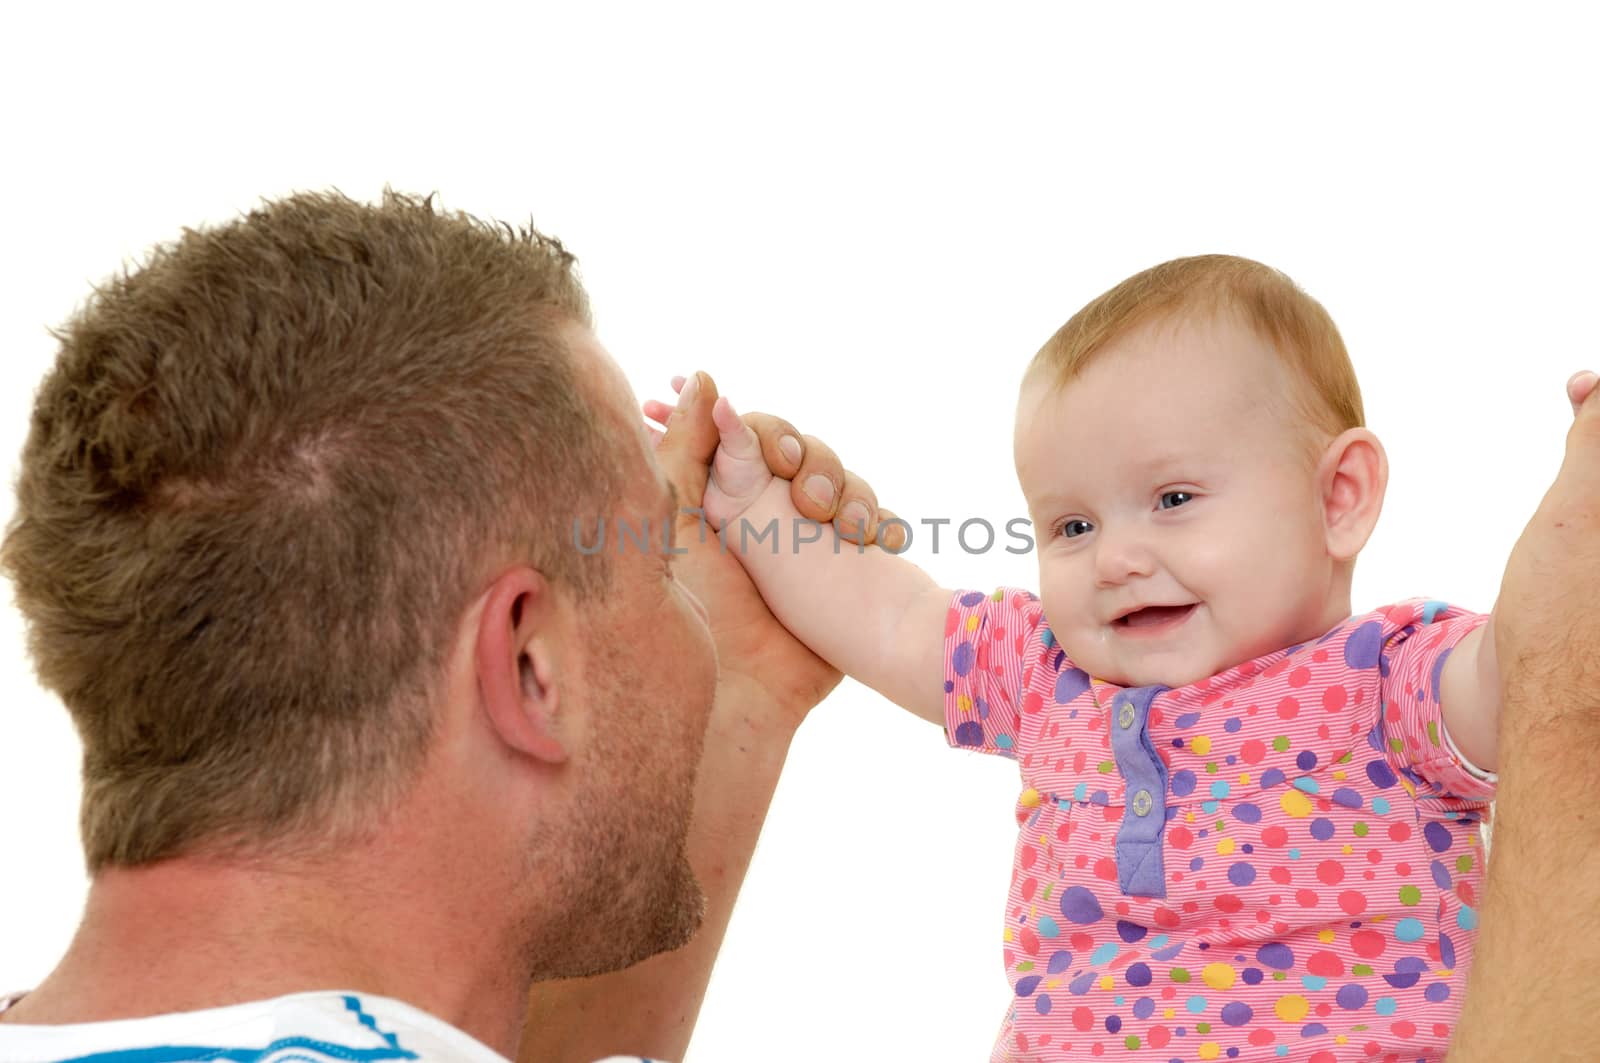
{"x":866,"y":218}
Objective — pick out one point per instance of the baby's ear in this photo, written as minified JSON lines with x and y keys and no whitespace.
{"x":1352,"y":475}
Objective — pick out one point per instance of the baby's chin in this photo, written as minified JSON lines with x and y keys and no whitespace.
{"x":1169,"y":673}
{"x":1162,"y":678}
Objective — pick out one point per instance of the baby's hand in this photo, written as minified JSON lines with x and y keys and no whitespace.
{"x":739,"y":472}
{"x":739,"y":469}
{"x":820,"y":488}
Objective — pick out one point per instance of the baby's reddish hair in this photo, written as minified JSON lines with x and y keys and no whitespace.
{"x":1263,"y":298}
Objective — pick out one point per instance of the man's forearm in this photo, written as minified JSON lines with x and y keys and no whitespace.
{"x":1532,"y":993}
{"x":650,"y":1008}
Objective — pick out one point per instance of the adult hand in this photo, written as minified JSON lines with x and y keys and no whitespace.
{"x":1547,"y":633}
{"x":822,"y":489}
{"x":767,"y":682}
{"x":751,"y":643}
{"x":1532,"y":993}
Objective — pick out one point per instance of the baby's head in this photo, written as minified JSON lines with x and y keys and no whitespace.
{"x":1191,"y":448}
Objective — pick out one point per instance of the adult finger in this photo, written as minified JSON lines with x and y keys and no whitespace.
{"x":892,"y":530}
{"x":815,"y":486}
{"x":780,"y":443}
{"x":1579,"y":387}
{"x":1583,"y":438}
{"x":690,"y":440}
{"x":858,"y":510}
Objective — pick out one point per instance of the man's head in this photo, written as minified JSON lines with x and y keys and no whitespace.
{"x":272,"y":471}
{"x":1191,"y":448}
{"x":626,"y":680}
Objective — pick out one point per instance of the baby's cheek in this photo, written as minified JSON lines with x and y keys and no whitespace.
{"x":1267,"y":598}
{"x":1066,"y":574}
{"x":1063,"y":609}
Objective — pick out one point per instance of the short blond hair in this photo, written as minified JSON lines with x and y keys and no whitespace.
{"x":1265,"y":299}
{"x":267,"y":472}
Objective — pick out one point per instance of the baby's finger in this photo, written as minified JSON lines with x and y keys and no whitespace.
{"x":734,"y":436}
{"x":657,"y":410}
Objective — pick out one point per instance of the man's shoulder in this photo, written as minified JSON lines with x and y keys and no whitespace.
{"x":327,"y":1027}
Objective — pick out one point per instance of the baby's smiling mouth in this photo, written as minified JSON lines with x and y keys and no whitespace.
{"x":1154,"y":617}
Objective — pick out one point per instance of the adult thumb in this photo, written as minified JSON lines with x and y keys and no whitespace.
{"x":690,"y":441}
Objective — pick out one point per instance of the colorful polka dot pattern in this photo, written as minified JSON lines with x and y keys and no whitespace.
{"x":1322,"y":847}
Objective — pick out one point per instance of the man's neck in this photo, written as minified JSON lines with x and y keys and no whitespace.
{"x":188,"y":934}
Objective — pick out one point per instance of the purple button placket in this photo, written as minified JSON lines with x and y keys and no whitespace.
{"x":1141,"y":871}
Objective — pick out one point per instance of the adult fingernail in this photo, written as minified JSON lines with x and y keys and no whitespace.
{"x":854,"y":518}
{"x":791,"y":448}
{"x":690,"y":389}
{"x":819,"y":488}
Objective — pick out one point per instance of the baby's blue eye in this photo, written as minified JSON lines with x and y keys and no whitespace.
{"x":1173,"y":499}
{"x":1074,"y":528}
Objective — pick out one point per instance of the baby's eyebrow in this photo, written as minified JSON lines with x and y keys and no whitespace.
{"x":1055,"y":496}
{"x":1167,"y":458}
{"x":1051,"y":500}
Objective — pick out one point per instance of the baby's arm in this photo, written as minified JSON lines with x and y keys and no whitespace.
{"x":1469,"y":697}
{"x":871,"y":614}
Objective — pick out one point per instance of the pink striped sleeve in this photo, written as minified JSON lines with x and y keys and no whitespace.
{"x":987,"y":638}
{"x":1420,"y":637}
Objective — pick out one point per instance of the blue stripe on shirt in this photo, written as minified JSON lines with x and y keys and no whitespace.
{"x":178,"y":1053}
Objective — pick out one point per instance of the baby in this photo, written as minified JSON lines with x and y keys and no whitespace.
{"x":1249,"y":820}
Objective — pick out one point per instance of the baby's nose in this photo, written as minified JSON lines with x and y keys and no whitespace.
{"x":1119,"y":558}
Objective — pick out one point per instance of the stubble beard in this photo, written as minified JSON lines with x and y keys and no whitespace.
{"x":625,"y":890}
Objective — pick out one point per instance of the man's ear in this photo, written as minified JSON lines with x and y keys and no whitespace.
{"x":1352,"y":476}
{"x":516,"y":665}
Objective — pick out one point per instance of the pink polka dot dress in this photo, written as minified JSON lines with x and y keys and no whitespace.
{"x":1281,"y":862}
